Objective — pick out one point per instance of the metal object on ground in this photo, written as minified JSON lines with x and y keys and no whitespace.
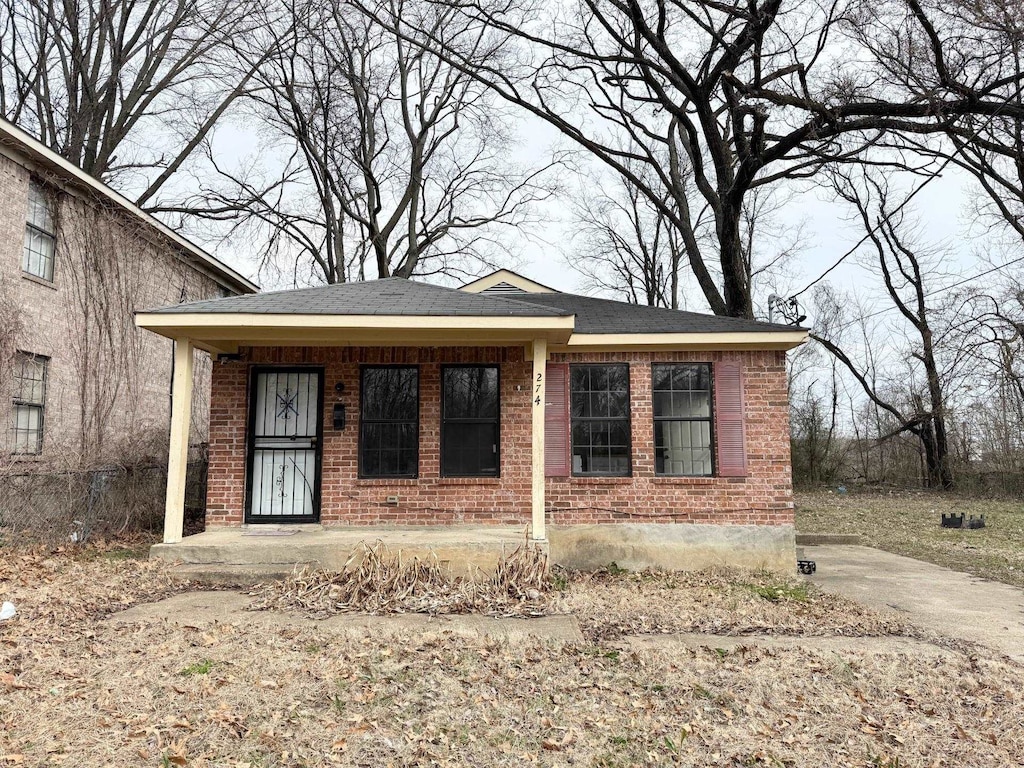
{"x":976,"y":522}
{"x":806,"y":567}
{"x":952,"y":520}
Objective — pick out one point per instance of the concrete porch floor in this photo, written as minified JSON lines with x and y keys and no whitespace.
{"x":270,"y":551}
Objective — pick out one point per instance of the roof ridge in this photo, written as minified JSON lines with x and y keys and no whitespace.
{"x":487,"y":297}
{"x":359,"y":292}
{"x":690,"y":312}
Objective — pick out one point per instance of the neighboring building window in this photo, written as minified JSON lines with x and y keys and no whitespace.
{"x":40,"y":237}
{"x":599,"y":408}
{"x":682,"y":419}
{"x":389,"y":421}
{"x":29,"y":402}
{"x":469,"y":421}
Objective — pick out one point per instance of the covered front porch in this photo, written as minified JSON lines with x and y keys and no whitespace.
{"x":328,"y":356}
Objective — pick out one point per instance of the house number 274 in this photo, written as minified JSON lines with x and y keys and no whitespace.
{"x":536,"y":389}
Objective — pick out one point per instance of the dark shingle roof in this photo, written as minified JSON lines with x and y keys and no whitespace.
{"x":397,"y":296}
{"x":608,"y":316}
{"x":390,"y":296}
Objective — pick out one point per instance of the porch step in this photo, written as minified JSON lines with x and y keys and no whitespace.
{"x":225,"y":575}
{"x":219,"y":555}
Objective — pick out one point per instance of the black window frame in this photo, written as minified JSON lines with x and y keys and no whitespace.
{"x":32,"y":227}
{"x":496,"y":420}
{"x":710,"y":418}
{"x":363,"y":422}
{"x":628,"y":419}
{"x":18,"y":401}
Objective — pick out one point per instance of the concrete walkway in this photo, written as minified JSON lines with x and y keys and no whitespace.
{"x":944,"y":601}
{"x":199,"y":610}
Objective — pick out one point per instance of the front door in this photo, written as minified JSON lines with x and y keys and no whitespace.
{"x":285,"y":435}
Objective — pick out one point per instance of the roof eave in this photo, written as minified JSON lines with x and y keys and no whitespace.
{"x":708,"y":341}
{"x":225,"y":332}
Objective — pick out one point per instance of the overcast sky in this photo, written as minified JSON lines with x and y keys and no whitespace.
{"x":544,"y":250}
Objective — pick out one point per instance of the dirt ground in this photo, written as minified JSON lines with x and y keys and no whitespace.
{"x":80,"y":689}
{"x":908,"y":523}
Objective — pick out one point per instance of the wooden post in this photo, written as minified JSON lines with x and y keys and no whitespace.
{"x":538,"y":387}
{"x":177,"y":460}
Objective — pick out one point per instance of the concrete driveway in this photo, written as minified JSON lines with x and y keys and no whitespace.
{"x":947,"y":602}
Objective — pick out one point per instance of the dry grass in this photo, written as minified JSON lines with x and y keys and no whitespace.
{"x":907,"y":523}
{"x":721,"y":601}
{"x":76,"y":690}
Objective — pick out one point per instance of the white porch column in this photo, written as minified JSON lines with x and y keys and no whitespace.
{"x":539,"y":385}
{"x":177,"y":460}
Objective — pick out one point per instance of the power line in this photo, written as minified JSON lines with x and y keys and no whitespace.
{"x":937,"y":291}
{"x":900,"y":207}
{"x":873,"y":229}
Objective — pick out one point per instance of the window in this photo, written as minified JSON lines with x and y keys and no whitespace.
{"x":29,"y":402}
{"x":682,"y":419}
{"x":40,"y":239}
{"x":389,"y":421}
{"x":599,"y":407}
{"x":469,"y":421}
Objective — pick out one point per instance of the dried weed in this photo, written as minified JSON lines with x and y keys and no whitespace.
{"x":377,"y":581}
{"x":76,"y":689}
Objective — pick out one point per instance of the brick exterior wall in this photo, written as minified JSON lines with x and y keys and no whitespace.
{"x":762,"y":498}
{"x":151,"y":273}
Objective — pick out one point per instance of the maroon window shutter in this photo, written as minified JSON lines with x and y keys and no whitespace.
{"x":729,"y":432}
{"x":556,"y":421}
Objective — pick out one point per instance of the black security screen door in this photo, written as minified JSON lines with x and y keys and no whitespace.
{"x":285,"y":420}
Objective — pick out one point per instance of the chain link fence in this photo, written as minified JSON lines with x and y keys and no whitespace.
{"x":52,"y":506}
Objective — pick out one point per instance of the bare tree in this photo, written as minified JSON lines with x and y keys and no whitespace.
{"x":397,"y":163}
{"x":122,"y":88}
{"x":904,"y":268}
{"x":626,"y":246}
{"x":819,"y":447}
{"x":967,"y":51}
{"x":737,"y":94}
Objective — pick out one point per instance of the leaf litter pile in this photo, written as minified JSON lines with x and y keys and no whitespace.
{"x":271,"y":689}
{"x":376,"y":581}
{"x":724,"y":601}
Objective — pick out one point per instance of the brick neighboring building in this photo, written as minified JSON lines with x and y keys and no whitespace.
{"x":81,"y":385}
{"x":615,"y":432}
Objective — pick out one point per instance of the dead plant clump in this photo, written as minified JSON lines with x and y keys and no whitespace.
{"x":377,"y":581}
{"x":608,"y":603}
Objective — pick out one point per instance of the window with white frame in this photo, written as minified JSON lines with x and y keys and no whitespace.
{"x":29,"y":403}
{"x":40,"y":234}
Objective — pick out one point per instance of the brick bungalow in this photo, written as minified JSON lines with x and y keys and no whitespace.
{"x":611,"y":431}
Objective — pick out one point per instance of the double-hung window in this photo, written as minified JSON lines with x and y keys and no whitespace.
{"x":29,"y":403}
{"x":470,"y":432}
{"x":40,"y":234}
{"x":682,"y":419}
{"x":389,"y":421}
{"x":599,"y":409}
